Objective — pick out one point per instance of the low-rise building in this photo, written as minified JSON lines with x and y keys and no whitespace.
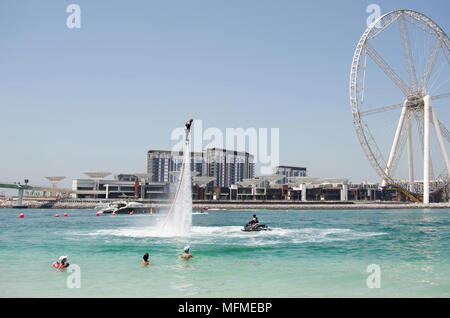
{"x":122,"y":186}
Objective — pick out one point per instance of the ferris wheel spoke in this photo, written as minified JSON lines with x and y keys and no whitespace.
{"x":440,"y":131}
{"x":444,"y":131}
{"x":408,"y":53}
{"x":398,"y":154}
{"x":380,"y":110}
{"x":397,"y":106}
{"x":435,"y":97}
{"x":397,"y":143}
{"x":429,"y":68}
{"x":400,"y":147}
{"x":447,"y":54}
{"x":376,"y":57}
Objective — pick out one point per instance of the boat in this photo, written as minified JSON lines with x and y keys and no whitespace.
{"x":123,"y":207}
{"x":110,"y":207}
{"x":134,"y":207}
{"x":256,"y":228}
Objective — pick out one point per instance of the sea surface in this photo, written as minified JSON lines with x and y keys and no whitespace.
{"x":308,"y":253}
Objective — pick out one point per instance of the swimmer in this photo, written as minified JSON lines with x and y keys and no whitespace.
{"x":62,"y":263}
{"x":145,"y":260}
{"x":186,"y":254}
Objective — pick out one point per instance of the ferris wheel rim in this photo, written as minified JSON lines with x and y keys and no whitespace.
{"x":374,"y":155}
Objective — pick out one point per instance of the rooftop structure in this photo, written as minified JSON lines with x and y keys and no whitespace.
{"x":55,"y":180}
{"x":97,"y":175}
{"x":202,"y":181}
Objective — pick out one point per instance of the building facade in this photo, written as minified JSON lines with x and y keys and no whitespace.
{"x":121,"y":187}
{"x":229,"y":167}
{"x":226,"y":166}
{"x":160,"y":164}
{"x":289,"y":171}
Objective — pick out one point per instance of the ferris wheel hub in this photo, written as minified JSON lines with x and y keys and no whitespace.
{"x":415,"y":100}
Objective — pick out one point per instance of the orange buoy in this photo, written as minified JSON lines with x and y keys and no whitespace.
{"x":21,"y":215}
{"x":56,"y":215}
{"x":97,"y":214}
{"x":65,"y":214}
{"x":131,"y":213}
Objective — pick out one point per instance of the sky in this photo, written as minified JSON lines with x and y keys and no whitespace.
{"x":99,"y":97}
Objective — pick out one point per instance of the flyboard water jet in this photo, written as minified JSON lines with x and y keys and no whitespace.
{"x":182,"y":218}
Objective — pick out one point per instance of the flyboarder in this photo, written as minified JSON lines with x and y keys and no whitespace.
{"x":188,"y":127}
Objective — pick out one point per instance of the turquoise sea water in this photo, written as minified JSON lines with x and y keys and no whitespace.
{"x":308,"y":254}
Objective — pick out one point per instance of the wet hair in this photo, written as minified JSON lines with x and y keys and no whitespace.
{"x":254,"y":215}
{"x":145,"y":257}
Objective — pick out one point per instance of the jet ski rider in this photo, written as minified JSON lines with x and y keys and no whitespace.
{"x":254,"y":221}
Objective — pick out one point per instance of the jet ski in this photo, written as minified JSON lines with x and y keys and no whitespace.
{"x":256,"y":228}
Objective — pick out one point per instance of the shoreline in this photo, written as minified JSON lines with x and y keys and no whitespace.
{"x":232,"y":205}
{"x":355,"y":206}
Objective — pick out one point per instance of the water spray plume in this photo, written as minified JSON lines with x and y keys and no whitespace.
{"x":180,"y":212}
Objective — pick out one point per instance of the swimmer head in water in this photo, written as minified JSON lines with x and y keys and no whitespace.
{"x":145,"y":260}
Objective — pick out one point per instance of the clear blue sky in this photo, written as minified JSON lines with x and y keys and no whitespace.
{"x":97,"y":98}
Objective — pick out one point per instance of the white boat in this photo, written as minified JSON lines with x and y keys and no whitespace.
{"x":112,"y":207}
{"x":123,"y":207}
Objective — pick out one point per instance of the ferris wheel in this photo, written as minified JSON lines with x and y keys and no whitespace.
{"x":414,"y":69}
